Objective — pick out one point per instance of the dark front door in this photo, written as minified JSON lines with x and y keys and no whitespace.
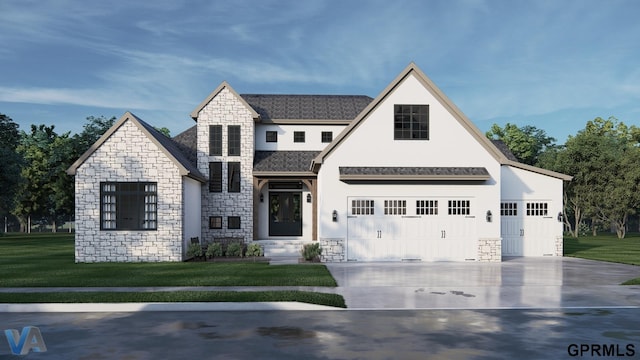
{"x":285,"y":213}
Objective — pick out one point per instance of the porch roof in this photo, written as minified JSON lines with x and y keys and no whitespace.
{"x":283,"y":161}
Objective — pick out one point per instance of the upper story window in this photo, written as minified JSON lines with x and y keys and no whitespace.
{"x":215,"y":140}
{"x":215,"y":177}
{"x":234,"y":176}
{"x":411,"y":122}
{"x":234,"y":140}
{"x":128,"y":205}
{"x":272,"y":136}
{"x":327,"y":136}
{"x":298,"y":136}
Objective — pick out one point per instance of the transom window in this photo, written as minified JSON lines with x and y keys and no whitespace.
{"x":362,"y":207}
{"x":272,"y":136}
{"x":509,"y":209}
{"x":327,"y":136}
{"x":298,"y":136}
{"x":233,"y":140}
{"x":395,"y":207}
{"x":426,"y":207}
{"x":459,"y":207}
{"x":128,"y":205}
{"x":537,"y":209}
{"x":411,"y":122}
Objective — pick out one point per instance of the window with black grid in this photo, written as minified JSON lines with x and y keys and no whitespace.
{"x":459,"y":207}
{"x":215,"y":140}
{"x":395,"y":207}
{"x":233,"y":140}
{"x":537,"y":209}
{"x":327,"y":136}
{"x":362,"y":207}
{"x":426,"y":207}
{"x":215,"y":177}
{"x":272,"y":136}
{"x":411,"y":122}
{"x":298,"y":137}
{"x":509,"y":209}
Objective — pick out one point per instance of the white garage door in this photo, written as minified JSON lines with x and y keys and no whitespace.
{"x":394,"y":229}
{"x":527,"y":228}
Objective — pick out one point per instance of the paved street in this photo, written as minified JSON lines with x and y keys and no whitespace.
{"x":406,"y":334}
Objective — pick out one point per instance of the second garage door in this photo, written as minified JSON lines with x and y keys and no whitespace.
{"x":411,"y":228}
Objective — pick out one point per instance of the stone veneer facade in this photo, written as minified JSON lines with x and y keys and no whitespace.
{"x":128,"y":156}
{"x":226,"y":109}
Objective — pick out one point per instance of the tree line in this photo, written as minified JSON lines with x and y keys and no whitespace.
{"x":603,"y":158}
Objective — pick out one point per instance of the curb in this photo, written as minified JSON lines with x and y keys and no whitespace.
{"x":151,"y":307}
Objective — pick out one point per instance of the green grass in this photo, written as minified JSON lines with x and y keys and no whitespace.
{"x":47,"y":260}
{"x":606,"y":247}
{"x":175,"y":296}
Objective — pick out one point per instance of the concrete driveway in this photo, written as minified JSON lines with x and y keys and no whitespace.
{"x":513,"y":283}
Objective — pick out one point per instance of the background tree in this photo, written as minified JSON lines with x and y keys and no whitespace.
{"x":527,"y":143}
{"x":10,"y":164}
{"x":91,"y":132}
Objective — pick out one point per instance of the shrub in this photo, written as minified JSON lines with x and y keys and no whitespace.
{"x":311,"y":252}
{"x":254,"y":249}
{"x":194,"y":250}
{"x":214,"y":250}
{"x":234,"y":249}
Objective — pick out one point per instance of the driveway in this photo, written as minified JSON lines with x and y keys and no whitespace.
{"x":513,"y":283}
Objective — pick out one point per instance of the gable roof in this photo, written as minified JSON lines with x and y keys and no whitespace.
{"x":412,"y":69}
{"x":214,"y":93}
{"x":166,"y":145}
{"x":305,"y":109}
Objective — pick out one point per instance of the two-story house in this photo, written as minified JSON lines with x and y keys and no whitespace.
{"x":404,"y":176}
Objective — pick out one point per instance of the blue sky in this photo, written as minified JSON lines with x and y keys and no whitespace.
{"x":553,"y":64}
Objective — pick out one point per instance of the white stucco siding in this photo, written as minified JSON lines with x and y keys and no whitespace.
{"x":313,"y":137}
{"x":192,"y":211}
{"x":128,"y":156}
{"x":372,"y":143}
{"x":533,"y":234}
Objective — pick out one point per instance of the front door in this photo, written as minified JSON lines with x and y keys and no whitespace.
{"x":285,"y":213}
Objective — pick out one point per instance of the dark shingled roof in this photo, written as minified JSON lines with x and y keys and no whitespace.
{"x":173,"y":148}
{"x":414,"y":171}
{"x":187,"y":142}
{"x":307,"y":107}
{"x":283,"y":161}
{"x":504,"y":149}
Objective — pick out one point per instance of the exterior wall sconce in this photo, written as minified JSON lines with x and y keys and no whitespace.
{"x":334,"y":216}
{"x":261,"y":197}
{"x":489,"y":216}
{"x":308,"y":198}
{"x":560,"y":216}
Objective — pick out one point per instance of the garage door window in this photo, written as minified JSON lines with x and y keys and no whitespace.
{"x":537,"y":209}
{"x":509,"y":209}
{"x":395,"y":207}
{"x":361,"y":207}
{"x":426,"y":207}
{"x":459,"y":207}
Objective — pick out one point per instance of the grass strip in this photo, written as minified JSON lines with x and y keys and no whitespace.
{"x":334,"y":300}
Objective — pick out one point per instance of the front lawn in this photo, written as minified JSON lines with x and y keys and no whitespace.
{"x":47,"y":260}
{"x":605,"y":247}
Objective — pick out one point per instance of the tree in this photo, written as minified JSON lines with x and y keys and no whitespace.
{"x":164,"y":131}
{"x":44,"y":191}
{"x":92,"y":131}
{"x":10,"y":164}
{"x":526,"y":143}
{"x":603,"y":160}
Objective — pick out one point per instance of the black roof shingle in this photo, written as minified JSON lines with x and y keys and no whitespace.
{"x":307,"y":107}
